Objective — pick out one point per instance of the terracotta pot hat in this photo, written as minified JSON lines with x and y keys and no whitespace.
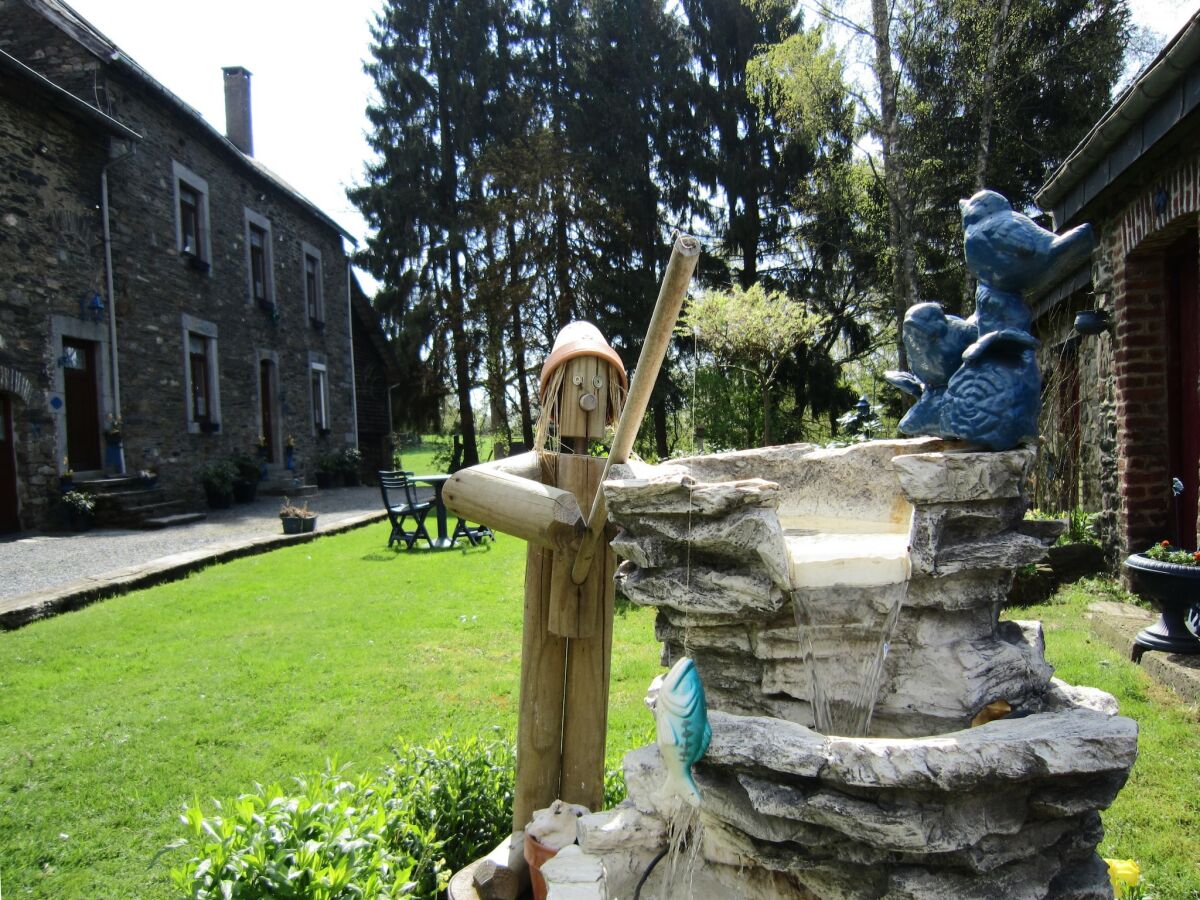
{"x":580,"y":339}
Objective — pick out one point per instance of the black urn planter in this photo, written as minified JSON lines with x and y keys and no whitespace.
{"x":325,"y":480}
{"x":351,"y":479}
{"x":1175,"y":591}
{"x":245,"y":491}
{"x":218,"y":499}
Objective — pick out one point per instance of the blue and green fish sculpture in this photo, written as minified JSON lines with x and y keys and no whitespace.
{"x":681,"y":723}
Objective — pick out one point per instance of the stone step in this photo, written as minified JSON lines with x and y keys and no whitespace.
{"x":156,"y":522}
{"x":106,"y":485}
{"x":267,"y":489}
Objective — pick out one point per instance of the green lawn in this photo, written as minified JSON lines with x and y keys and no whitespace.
{"x":114,"y":716}
{"x":1156,"y":817}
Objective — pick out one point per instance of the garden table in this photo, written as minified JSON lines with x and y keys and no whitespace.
{"x":444,"y":541}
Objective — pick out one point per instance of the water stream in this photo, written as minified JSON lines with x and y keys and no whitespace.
{"x":844,"y":638}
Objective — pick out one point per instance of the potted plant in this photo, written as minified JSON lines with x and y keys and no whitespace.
{"x":79,"y":509}
{"x":328,"y":467}
{"x":245,"y":480}
{"x":289,"y":453}
{"x":148,"y":479}
{"x":66,"y":481}
{"x":261,"y":444}
{"x":351,"y":461}
{"x":1169,"y":578}
{"x":217,"y":478}
{"x":297,"y":519}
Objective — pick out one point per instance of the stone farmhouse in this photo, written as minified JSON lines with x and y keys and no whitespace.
{"x":1122,"y":403}
{"x":156,"y":279}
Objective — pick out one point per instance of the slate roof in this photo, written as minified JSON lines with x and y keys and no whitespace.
{"x":94,"y":41}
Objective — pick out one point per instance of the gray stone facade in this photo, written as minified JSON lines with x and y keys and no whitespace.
{"x":52,"y":254}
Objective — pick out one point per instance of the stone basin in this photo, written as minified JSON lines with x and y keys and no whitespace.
{"x":925,"y":805}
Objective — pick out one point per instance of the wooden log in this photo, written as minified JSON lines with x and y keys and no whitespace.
{"x":507,"y":496}
{"x":585,"y":710}
{"x":572,"y":606}
{"x":503,"y":874}
{"x":543,"y":667}
{"x":684,"y":256}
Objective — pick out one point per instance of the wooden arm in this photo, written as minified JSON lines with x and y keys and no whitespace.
{"x":508,"y":496}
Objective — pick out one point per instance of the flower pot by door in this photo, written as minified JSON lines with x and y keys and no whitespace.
{"x":219,"y":499}
{"x":245,"y":491}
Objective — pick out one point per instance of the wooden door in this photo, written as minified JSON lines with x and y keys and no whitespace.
{"x":266,"y":394}
{"x":9,"y":518}
{"x":1183,"y":295}
{"x":82,"y":404}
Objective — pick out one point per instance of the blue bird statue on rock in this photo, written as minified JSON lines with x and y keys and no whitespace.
{"x":976,"y":379}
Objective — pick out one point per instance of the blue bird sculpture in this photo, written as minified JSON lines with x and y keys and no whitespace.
{"x":977,"y":379}
{"x":1010,"y":252}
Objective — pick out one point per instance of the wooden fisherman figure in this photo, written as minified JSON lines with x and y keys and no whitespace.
{"x":551,"y":498}
{"x":542,"y":496}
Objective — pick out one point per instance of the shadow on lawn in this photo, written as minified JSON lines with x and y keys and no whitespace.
{"x":395,"y":553}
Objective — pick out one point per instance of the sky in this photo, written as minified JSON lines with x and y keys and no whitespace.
{"x":309,"y":91}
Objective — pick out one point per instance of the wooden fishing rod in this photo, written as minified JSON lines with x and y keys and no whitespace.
{"x":684,"y":255}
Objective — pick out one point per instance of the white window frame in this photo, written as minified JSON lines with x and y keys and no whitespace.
{"x":181,"y":174}
{"x":250,"y":217}
{"x":317,"y":367}
{"x":307,"y":250}
{"x":208,"y":331}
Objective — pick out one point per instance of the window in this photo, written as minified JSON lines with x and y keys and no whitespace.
{"x":258,"y":263}
{"x":198,"y":370}
{"x":320,"y":397}
{"x":191,"y":217}
{"x":261,"y":283}
{"x":201,"y":386}
{"x":314,"y":300}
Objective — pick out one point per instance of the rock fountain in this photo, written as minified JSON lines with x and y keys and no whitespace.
{"x":918,"y":536}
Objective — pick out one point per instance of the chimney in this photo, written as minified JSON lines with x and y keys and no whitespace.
{"x":237,"y":108}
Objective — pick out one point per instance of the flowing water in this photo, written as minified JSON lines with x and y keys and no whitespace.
{"x":844,"y":638}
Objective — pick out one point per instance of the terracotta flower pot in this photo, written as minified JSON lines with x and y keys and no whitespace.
{"x":536,"y":854}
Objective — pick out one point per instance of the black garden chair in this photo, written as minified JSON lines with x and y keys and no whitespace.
{"x":475,"y":534}
{"x":401,"y":501}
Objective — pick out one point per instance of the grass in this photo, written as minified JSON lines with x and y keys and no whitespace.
{"x":1156,"y":817}
{"x":114,"y":716}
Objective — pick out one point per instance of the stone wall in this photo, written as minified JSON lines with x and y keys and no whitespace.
{"x":155,"y":287}
{"x":50,"y":254}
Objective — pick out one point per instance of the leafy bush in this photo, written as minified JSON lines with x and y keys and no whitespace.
{"x":218,"y":477}
{"x":351,"y":460}
{"x":244,"y":467}
{"x":401,"y":833}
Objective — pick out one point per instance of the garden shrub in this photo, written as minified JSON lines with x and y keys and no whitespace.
{"x":401,"y":833}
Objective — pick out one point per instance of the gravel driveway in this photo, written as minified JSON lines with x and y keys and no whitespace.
{"x":34,"y":561}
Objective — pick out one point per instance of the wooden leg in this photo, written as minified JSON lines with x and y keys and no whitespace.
{"x":539,"y":726}
{"x":589,"y":663}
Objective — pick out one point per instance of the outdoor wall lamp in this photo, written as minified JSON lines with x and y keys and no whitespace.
{"x":1092,"y":321}
{"x":91,"y":307}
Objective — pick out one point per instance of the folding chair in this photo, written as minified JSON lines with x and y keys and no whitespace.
{"x":401,"y":501}
{"x":475,"y":534}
